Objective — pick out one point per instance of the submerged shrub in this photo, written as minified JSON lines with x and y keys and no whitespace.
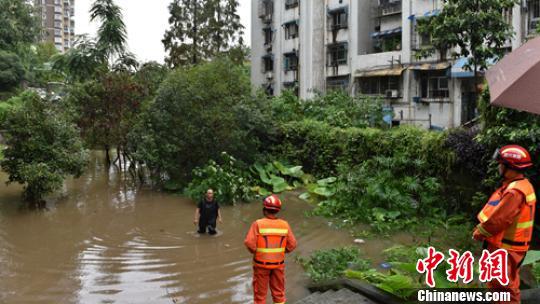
{"x":330,"y":264}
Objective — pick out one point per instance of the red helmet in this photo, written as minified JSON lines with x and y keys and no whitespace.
{"x":272,"y":202}
{"x":514,"y":156}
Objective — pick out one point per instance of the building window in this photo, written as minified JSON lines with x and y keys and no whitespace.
{"x":337,"y":54}
{"x":389,"y":7}
{"x":340,"y":83}
{"x":338,"y":19}
{"x":434,"y":85}
{"x":266,"y":8}
{"x":534,"y":15}
{"x":291,"y":30}
{"x":268,"y":35}
{"x":291,"y":4}
{"x":293,"y":86}
{"x":268,"y":63}
{"x":387,"y":43}
{"x":290,"y":61}
{"x":383,"y":85}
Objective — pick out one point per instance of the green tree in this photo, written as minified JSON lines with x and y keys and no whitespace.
{"x":90,"y":57}
{"x":105,"y":110}
{"x":43,"y":147}
{"x":11,"y":71}
{"x":150,"y":76}
{"x":201,"y":30}
{"x":18,"y":24}
{"x":112,"y":33}
{"x":470,"y":28}
{"x":193,"y":120}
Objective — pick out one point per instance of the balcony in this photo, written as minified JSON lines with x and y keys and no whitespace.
{"x":389,"y":7}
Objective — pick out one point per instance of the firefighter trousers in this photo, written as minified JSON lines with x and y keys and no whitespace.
{"x":514,"y":262}
{"x":262,"y":278}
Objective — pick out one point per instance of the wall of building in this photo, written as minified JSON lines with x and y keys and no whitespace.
{"x":363,"y":17}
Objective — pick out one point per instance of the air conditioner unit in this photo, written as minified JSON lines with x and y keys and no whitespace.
{"x":392,"y":94}
{"x":269,"y":75}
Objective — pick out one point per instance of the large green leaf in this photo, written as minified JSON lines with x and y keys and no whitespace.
{"x":532,"y":256}
{"x":324,"y":191}
{"x":326,"y":181}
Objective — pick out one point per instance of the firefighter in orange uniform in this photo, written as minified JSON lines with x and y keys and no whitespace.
{"x":507,"y":220}
{"x":269,"y":239}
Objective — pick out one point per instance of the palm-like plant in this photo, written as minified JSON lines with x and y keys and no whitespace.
{"x":112,"y":34}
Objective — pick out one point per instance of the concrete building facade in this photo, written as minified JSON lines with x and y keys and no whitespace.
{"x":368,"y":48}
{"x":57,"y":19}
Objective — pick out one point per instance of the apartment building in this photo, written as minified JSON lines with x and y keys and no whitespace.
{"x":368,"y":48}
{"x":57,"y":19}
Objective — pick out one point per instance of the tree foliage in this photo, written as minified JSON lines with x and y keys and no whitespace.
{"x":203,"y":29}
{"x":469,"y":28}
{"x":106,"y":109}
{"x":11,"y":71}
{"x":192,"y":120}
{"x":91,"y":57}
{"x":18,"y":24}
{"x":43,"y":147}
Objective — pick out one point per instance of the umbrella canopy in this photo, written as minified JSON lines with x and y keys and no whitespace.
{"x":514,"y":82}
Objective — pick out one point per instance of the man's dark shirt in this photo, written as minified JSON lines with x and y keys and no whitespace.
{"x":208,"y":210}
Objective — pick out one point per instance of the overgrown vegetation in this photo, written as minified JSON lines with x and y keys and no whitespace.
{"x":330,"y":264}
{"x":43,"y":147}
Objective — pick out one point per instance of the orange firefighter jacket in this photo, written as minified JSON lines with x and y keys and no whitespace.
{"x":507,"y":218}
{"x":269,"y":239}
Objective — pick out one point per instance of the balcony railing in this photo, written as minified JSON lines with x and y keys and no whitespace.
{"x":390,"y":8}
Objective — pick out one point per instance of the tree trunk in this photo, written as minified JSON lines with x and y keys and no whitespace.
{"x":107,"y":156}
{"x":119,"y":157}
{"x":195,"y":32}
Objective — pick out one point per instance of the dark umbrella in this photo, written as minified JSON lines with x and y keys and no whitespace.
{"x":514,"y":82}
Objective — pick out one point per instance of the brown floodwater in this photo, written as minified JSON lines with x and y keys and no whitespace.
{"x":105,"y":240}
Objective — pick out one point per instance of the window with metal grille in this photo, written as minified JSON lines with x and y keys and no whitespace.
{"x":291,"y":30}
{"x":337,"y":54}
{"x":378,"y":85}
{"x":434,"y":86}
{"x":268,"y":35}
{"x":340,"y":83}
{"x":290,"y":62}
{"x":338,"y":19}
{"x":268,"y":63}
{"x":291,"y":4}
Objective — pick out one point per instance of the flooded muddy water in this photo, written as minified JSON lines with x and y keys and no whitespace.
{"x":107,"y":241}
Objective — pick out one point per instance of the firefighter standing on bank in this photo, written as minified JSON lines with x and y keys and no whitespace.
{"x":507,"y":220}
{"x":269,"y":239}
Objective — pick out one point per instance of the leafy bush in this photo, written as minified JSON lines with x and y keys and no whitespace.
{"x":331,"y":263}
{"x":229,"y":179}
{"x":320,"y":148}
{"x":193,"y":120}
{"x":43,"y":147}
{"x":389,"y":193}
{"x":338,"y":109}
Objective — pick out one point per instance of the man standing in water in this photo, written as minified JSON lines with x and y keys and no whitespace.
{"x":506,"y":221}
{"x":269,"y":239}
{"x":206,"y":213}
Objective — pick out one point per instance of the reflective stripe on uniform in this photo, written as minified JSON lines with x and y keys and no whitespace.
{"x":483,"y":231}
{"x":531,"y":197}
{"x":525,"y":224}
{"x":512,"y":185}
{"x":482,"y":216}
{"x":273,"y":231}
{"x":271,"y":250}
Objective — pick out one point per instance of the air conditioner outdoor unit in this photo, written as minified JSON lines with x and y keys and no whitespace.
{"x":392,"y":93}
